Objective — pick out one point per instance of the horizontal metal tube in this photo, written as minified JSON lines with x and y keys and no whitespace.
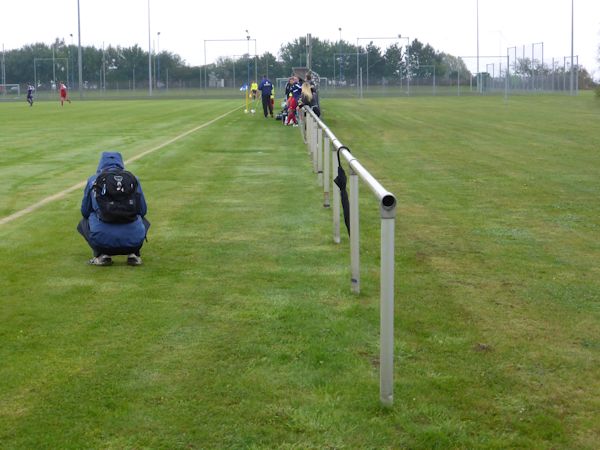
{"x":387,"y":200}
{"x":387,"y":203}
{"x":334,"y":140}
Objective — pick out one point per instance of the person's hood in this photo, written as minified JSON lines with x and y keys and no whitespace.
{"x":110,"y":160}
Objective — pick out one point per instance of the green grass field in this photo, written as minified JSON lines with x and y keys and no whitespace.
{"x":240,"y":330}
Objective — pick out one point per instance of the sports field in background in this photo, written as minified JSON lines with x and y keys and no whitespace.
{"x":240,"y":330}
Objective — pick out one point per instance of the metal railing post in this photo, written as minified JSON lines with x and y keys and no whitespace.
{"x":311,"y":123}
{"x":302,"y":123}
{"x":354,"y":232}
{"x":307,"y":129}
{"x":319,"y":148}
{"x":313,"y":141}
{"x":336,"y":197}
{"x":387,"y":203}
{"x":326,"y":172}
{"x":386,"y":306}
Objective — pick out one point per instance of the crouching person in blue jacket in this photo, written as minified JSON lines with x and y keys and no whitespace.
{"x":113,"y":210}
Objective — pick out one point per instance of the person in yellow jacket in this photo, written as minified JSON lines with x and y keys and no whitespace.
{"x":254,"y":89}
{"x":273,"y":98}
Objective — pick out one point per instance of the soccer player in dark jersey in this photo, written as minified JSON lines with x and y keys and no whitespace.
{"x":30,"y":90}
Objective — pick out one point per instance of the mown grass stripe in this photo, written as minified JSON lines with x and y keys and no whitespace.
{"x":80,"y":185}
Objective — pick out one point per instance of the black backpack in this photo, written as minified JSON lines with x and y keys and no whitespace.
{"x":117,"y":197}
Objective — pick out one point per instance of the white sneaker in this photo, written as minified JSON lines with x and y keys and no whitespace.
{"x":134,"y":260}
{"x":101,"y":260}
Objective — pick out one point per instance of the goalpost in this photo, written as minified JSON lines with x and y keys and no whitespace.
{"x":10,"y":91}
{"x":47,"y":72}
{"x":281,"y":82}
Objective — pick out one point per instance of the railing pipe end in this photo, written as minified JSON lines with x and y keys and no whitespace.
{"x":388,"y":206}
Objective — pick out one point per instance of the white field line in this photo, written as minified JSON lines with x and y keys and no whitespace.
{"x":81,"y":185}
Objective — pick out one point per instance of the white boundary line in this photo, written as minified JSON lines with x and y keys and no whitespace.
{"x":81,"y":185}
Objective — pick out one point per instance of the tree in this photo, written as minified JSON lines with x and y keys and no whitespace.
{"x":454,"y":69}
{"x":375,"y":60}
{"x":133,"y":63}
{"x":524,"y":67}
{"x":395,"y":64}
{"x":127,"y":67}
{"x":425,"y":61}
{"x":585,"y":80}
{"x":293,"y":54}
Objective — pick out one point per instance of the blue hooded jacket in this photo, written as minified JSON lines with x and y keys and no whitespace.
{"x":112,"y":235}
{"x":266,"y":87}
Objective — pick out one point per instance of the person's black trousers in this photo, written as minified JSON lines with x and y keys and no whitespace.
{"x":267,"y":106}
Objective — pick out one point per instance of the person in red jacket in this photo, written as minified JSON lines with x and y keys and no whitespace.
{"x":292,"y":104}
{"x":64,"y":96}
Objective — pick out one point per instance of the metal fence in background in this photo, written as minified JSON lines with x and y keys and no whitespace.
{"x":478,"y":75}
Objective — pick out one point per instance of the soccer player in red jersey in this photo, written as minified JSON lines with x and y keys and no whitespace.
{"x":63,"y":94}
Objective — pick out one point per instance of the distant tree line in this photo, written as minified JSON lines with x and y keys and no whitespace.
{"x":125,"y":66}
{"x":530,"y":68}
{"x":341,"y":62}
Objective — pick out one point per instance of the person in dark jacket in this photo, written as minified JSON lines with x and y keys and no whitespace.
{"x":266,"y":88}
{"x":109,"y":239}
{"x":288,"y":87}
{"x":296,"y":88}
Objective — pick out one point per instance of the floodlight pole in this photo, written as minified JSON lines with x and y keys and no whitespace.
{"x":308,"y":53}
{"x":248,"y":39}
{"x":157,"y":58}
{"x":532,"y":62}
{"x":3,"y":72}
{"x":357,"y":63}
{"x":71,"y":63}
{"x":572,"y":39}
{"x":103,"y":69}
{"x":506,"y":76}
{"x":80,"y":63}
{"x":478,"y":73}
{"x":149,"y":54}
{"x":340,"y":52}
{"x":53,"y":66}
{"x":334,"y":71}
{"x":407,"y":62}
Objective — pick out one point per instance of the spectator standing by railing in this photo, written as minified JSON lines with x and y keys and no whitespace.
{"x":307,"y":98}
{"x":266,"y":88}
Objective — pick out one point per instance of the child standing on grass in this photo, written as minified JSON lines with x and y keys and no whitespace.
{"x":292,"y":104}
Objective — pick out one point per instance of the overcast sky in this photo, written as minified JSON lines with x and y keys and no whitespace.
{"x":448,"y":25}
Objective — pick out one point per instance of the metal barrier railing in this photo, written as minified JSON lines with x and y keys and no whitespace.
{"x":321,"y":141}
